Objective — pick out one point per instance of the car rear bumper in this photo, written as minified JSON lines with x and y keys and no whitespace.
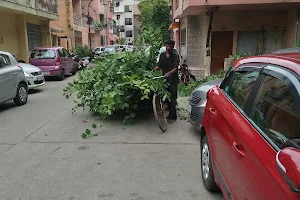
{"x":195,"y":116}
{"x":35,"y":81}
{"x":51,"y":73}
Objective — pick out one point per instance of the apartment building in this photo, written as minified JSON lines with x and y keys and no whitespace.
{"x":209,"y":31}
{"x":73,"y":26}
{"x":25,"y":25}
{"x":124,"y":17}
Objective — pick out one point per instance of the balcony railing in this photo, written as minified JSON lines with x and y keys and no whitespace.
{"x":77,"y":19}
{"x":47,"y":6}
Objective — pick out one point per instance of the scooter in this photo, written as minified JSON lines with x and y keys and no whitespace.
{"x":184,"y":74}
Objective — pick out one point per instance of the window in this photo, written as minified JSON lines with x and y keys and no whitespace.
{"x":128,"y":33}
{"x":276,"y":112}
{"x":4,"y":60}
{"x":128,"y":21}
{"x":183,"y":37}
{"x":118,"y":17}
{"x":128,"y":8}
{"x":43,"y":54}
{"x":102,"y":18}
{"x":239,"y":86}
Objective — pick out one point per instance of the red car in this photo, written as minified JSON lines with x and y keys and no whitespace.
{"x":250,"y":138}
{"x":53,"y":61}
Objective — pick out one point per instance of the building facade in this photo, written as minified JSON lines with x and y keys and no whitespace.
{"x":25,"y":25}
{"x":123,"y":14}
{"x":73,"y":27}
{"x":209,"y":31}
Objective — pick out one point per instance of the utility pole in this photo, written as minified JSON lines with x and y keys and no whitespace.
{"x":89,"y":21}
{"x":105,"y":16}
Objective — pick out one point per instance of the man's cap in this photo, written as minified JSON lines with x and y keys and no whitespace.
{"x":170,"y":42}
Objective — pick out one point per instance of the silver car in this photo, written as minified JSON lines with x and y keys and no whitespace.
{"x":13,"y":83}
{"x":34,"y":75}
{"x":197,"y":102}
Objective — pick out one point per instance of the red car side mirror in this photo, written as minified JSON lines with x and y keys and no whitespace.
{"x":288,"y":164}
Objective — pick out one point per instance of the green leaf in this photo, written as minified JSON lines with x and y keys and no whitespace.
{"x":84,"y":135}
{"x":94,"y":125}
{"x":132,"y":115}
{"x":88,"y":131}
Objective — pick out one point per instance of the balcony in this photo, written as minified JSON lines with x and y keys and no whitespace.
{"x":118,"y":9}
{"x":44,"y":8}
{"x":77,"y":19}
{"x":183,"y":8}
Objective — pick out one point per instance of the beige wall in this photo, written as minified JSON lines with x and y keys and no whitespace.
{"x":250,"y":21}
{"x":14,"y":33}
{"x":9,"y":34}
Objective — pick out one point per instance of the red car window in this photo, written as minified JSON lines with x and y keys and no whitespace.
{"x":275,"y":111}
{"x":240,"y":87}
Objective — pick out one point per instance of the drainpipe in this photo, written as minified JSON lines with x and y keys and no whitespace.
{"x":179,"y":37}
{"x":297,"y":26}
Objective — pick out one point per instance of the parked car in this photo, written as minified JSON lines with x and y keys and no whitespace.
{"x":98,"y":51}
{"x":250,"y":131}
{"x":130,"y":48}
{"x":13,"y":84}
{"x":34,"y":75}
{"x":53,"y":61}
{"x":110,"y":49}
{"x":197,"y":102}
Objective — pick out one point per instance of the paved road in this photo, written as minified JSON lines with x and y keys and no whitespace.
{"x":42,"y":156}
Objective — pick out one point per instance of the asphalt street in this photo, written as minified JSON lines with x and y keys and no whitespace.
{"x":43,"y":157}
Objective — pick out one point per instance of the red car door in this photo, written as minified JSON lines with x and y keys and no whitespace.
{"x":257,"y":137}
{"x":223,"y":122}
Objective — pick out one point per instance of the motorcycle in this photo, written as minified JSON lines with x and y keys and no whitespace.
{"x":184,"y":74}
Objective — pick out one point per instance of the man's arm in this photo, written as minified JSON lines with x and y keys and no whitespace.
{"x":158,"y":65}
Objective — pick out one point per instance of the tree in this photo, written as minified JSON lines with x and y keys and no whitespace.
{"x":121,"y":40}
{"x":155,"y":15}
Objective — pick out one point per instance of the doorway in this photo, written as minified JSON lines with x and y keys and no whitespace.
{"x":221,"y":48}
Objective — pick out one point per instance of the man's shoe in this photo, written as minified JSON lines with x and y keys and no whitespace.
{"x":172,"y":117}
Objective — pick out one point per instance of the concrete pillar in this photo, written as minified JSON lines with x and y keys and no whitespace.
{"x":46,"y":36}
{"x":22,"y":38}
{"x":291,"y":32}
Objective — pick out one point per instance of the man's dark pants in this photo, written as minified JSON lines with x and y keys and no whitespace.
{"x":172,"y":104}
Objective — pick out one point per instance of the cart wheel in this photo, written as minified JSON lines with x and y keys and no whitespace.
{"x":159,"y":112}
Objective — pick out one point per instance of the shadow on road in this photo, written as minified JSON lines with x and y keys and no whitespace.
{"x":35,"y":91}
{"x":7,"y":105}
{"x":54,"y":79}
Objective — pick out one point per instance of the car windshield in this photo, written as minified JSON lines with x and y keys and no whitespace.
{"x":43,"y":54}
{"x":110,"y":49}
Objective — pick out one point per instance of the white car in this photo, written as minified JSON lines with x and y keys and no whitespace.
{"x":161,"y":50}
{"x":33,"y":74}
{"x":98,"y":51}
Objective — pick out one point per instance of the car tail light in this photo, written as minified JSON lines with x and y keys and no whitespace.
{"x":57,"y":61}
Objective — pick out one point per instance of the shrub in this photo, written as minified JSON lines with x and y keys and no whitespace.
{"x":81,"y":50}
